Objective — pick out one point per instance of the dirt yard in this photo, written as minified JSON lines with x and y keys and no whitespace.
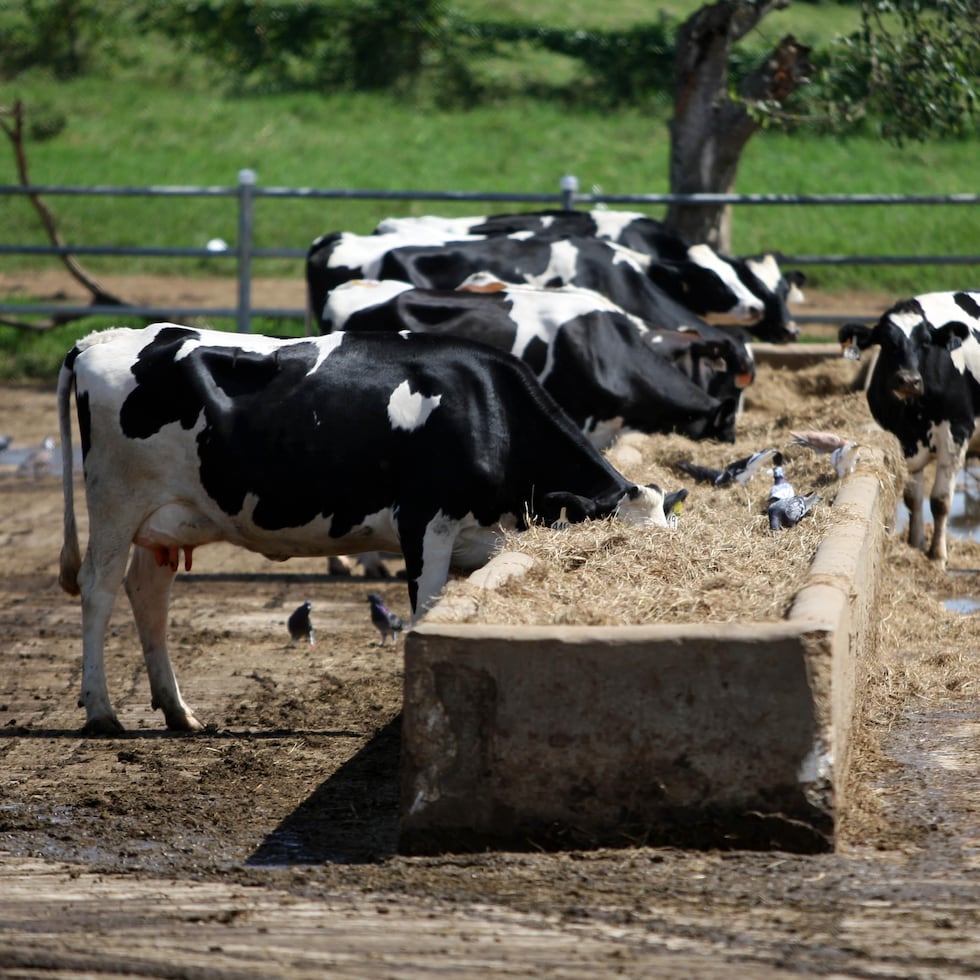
{"x":266,"y":846}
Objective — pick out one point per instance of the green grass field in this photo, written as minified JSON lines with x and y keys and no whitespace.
{"x":160,"y":117}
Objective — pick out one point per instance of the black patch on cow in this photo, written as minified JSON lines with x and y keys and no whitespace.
{"x":84,"y":422}
{"x":535,"y":355}
{"x":967,"y":303}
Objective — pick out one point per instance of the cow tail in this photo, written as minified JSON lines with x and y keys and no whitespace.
{"x":71,"y":558}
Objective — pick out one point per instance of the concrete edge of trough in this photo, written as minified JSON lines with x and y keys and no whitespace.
{"x":742,"y":729}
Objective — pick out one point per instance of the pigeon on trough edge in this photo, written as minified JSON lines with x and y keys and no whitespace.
{"x":843,"y":452}
{"x":740,"y":471}
{"x":299,"y":625}
{"x":789,"y":512}
{"x":387,"y":622}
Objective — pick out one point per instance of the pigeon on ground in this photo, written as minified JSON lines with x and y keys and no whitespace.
{"x":40,"y":461}
{"x":387,"y":622}
{"x":781,"y":488}
{"x":5,"y":441}
{"x":843,"y":452}
{"x":299,"y":625}
{"x":789,"y":512}
{"x":673,"y":505}
{"x":741,"y":471}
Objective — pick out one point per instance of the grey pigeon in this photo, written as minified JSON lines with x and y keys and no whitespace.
{"x":387,"y":622}
{"x":5,"y":441}
{"x":299,"y":625}
{"x":740,"y":471}
{"x":789,"y":512}
{"x":781,"y":488}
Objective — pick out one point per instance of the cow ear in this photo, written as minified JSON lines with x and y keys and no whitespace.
{"x":560,"y":509}
{"x":854,"y":337}
{"x":951,"y":335}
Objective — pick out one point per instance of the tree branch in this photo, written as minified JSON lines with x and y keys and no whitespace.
{"x":12,"y":123}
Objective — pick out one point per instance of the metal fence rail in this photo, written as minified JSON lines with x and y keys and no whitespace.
{"x":243,"y":252}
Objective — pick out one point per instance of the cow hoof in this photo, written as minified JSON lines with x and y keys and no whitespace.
{"x":183,"y":722}
{"x":105,"y":725}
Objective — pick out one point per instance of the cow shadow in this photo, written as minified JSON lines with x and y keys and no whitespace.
{"x":351,"y":818}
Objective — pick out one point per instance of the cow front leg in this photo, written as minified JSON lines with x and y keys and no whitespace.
{"x":98,"y":580}
{"x":428,"y":557}
{"x":148,"y":586}
{"x":912,"y":497}
{"x":950,"y":460}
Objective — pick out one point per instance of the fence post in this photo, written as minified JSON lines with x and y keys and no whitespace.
{"x":246,"y":184}
{"x":569,"y":188}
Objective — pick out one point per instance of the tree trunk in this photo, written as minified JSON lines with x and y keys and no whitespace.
{"x":710,"y":129}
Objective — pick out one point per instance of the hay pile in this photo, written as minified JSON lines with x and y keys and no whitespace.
{"x":722,"y":563}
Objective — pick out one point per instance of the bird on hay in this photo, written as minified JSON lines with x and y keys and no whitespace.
{"x":789,"y":512}
{"x":386,"y":622}
{"x":843,"y":452}
{"x":673,"y":505}
{"x":781,"y":488}
{"x":740,"y":471}
{"x":299,"y":625}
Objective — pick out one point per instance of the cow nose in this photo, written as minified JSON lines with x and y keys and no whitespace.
{"x":908,"y":384}
{"x":751,"y":312}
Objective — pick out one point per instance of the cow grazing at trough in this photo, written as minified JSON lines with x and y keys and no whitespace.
{"x":599,"y":363}
{"x":753,"y":289}
{"x":427,"y":446}
{"x":925,"y":390}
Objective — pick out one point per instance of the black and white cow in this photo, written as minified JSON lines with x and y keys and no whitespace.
{"x":600,"y":364}
{"x":925,"y":390}
{"x":422,"y":445}
{"x":340,"y":256}
{"x":753,"y":288}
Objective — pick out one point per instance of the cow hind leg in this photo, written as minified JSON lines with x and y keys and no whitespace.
{"x":98,"y":580}
{"x":148,"y":586}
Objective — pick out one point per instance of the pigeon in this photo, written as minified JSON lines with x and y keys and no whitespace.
{"x":673,"y":505}
{"x":843,"y":452}
{"x":299,"y":625}
{"x":781,"y":488}
{"x":387,"y":622}
{"x":5,"y":441}
{"x":741,"y":471}
{"x":789,"y":512}
{"x":39,"y":461}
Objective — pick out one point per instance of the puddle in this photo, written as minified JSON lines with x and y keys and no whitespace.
{"x":965,"y":606}
{"x":964,"y":516}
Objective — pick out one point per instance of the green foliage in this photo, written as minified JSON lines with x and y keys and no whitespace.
{"x":623,"y":64}
{"x":283,"y":45}
{"x":912,"y":71}
{"x":66,"y":37}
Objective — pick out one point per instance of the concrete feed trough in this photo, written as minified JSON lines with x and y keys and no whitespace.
{"x":707,"y":735}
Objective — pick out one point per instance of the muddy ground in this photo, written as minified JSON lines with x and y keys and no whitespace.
{"x":267,"y":845}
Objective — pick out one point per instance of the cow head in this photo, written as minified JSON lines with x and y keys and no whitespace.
{"x":705,"y":282}
{"x":636,"y":506}
{"x":775,"y":289}
{"x":905,"y":343}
